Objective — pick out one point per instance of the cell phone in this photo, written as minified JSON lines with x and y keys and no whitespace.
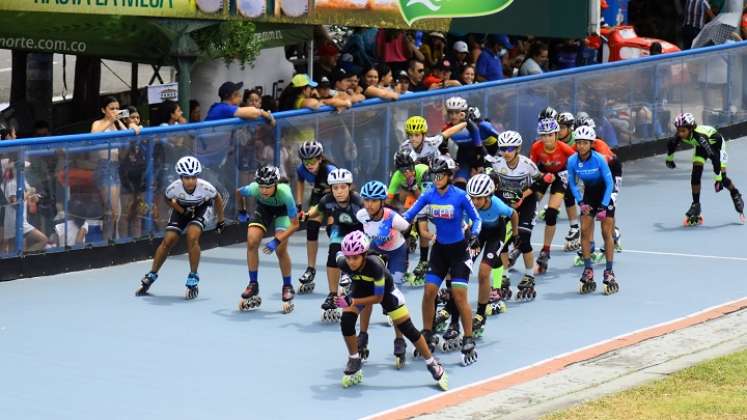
{"x":123,"y":113}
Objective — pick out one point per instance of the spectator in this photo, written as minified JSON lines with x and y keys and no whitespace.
{"x":41,"y":176}
{"x":342,"y":81}
{"x":377,"y":83}
{"x":195,"y":113}
{"x":324,"y":89}
{"x":355,"y":84}
{"x":132,"y":167}
{"x":474,"y":44}
{"x":433,"y":49}
{"x":467,"y":77}
{"x":440,"y":77}
{"x":356,"y":47}
{"x":743,"y":24}
{"x":172,"y":113}
{"x":329,"y":56}
{"x":489,"y":65}
{"x":252,"y":98}
{"x":459,"y":57}
{"x":74,"y":231}
{"x":536,"y":61}
{"x":416,"y":73}
{"x":403,"y":83}
{"x":655,"y":48}
{"x":41,"y":129}
{"x":395,"y":48}
{"x":695,"y":15}
{"x":300,"y":94}
{"x":228,"y":107}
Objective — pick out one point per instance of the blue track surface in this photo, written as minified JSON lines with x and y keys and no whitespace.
{"x":82,"y":346}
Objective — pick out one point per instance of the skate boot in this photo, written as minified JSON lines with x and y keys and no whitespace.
{"x":513,"y":255}
{"x":353,"y":374}
{"x":345,"y":285}
{"x":693,"y":216}
{"x":610,"y":283}
{"x":588,"y":285}
{"x":412,"y":240}
{"x":506,"y":292}
{"x":250,"y":299}
{"x":572,"y":240}
{"x":478,"y":326}
{"x":439,"y":374}
{"x":542,"y":262}
{"x":496,"y":305}
{"x":617,"y":236}
{"x":363,"y":345}
{"x":469,"y":355}
{"x":526,"y":288}
{"x":417,"y":277}
{"x":736,"y":197}
{"x":307,"y":281}
{"x":145,"y":283}
{"x":400,"y":349}
{"x":430,"y":339}
{"x":330,"y":311}
{"x":451,"y":340}
{"x":596,"y":256}
{"x":192,"y":290}
{"x":441,"y":320}
{"x":287,"y":294}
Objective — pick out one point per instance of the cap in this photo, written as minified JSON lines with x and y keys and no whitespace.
{"x":301,"y":80}
{"x":443,"y":65}
{"x":461,"y":47}
{"x":324,"y":82}
{"x":437,"y":35}
{"x":229,"y":88}
{"x":402,"y":75}
{"x":340,"y":74}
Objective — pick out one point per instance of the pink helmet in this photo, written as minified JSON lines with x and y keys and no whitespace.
{"x":355,"y":243}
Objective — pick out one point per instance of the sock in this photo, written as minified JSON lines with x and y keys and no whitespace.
{"x":429,"y":361}
{"x":424,"y":253}
{"x":609,"y":266}
{"x":587,"y":262}
{"x":546,"y":248}
{"x":481,"y":309}
{"x":253,"y":277}
{"x":529,"y":272}
{"x":286,"y":281}
{"x":696,"y":197}
{"x":355,"y":356}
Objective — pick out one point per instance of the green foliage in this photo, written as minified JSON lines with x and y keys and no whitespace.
{"x":230,"y":40}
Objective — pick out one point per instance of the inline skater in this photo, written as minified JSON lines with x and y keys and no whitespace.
{"x":314,"y":170}
{"x":592,"y":169}
{"x":452,"y":253}
{"x":470,"y":150}
{"x":276,"y":211}
{"x":709,"y":145}
{"x":426,"y":148}
{"x":372,"y":284}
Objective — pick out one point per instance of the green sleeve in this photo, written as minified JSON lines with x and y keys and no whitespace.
{"x":251,"y":190}
{"x":397,"y":180}
{"x":420,"y":171}
{"x":285,"y":196}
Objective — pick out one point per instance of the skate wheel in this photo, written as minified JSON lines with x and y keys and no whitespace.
{"x":399,"y":362}
{"x":191,"y":293}
{"x":306,"y":288}
{"x":443,"y":383}
{"x":287,"y":307}
{"x":354,"y":379}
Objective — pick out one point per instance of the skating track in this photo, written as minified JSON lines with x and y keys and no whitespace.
{"x":81,"y":346}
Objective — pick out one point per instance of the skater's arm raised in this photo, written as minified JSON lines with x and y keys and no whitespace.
{"x":449,"y":132}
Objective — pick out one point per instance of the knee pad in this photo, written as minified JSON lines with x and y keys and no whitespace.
{"x":409,"y":331}
{"x":551,"y":216}
{"x":696,"y":175}
{"x":525,"y":241}
{"x":312,"y":230}
{"x":347,"y":324}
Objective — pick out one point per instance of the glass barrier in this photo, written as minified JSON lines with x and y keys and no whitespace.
{"x":93,"y":190}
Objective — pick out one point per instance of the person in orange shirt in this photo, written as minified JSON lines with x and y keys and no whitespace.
{"x":550,"y":156}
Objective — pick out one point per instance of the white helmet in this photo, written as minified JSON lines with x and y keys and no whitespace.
{"x":585,"y":133}
{"x":188,"y":166}
{"x":456,"y":103}
{"x":339,"y":176}
{"x":480,"y":185}
{"x":509,"y":138}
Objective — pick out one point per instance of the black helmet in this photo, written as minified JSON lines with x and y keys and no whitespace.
{"x":442,"y":164}
{"x":267,"y":175}
{"x":567,"y":119}
{"x":403,"y":160}
{"x":548,"y":112}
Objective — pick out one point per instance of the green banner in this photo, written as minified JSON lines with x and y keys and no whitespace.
{"x":205,"y":9}
{"x":413,"y":10}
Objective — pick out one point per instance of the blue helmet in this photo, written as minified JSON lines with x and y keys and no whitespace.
{"x":548,"y":126}
{"x":373,"y":190}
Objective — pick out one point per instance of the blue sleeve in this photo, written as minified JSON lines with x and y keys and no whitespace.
{"x":419,"y":204}
{"x":299,"y":172}
{"x":503,"y":209}
{"x":572,"y":162}
{"x":474,"y":133}
{"x":607,"y":177}
{"x":487,"y":130}
{"x":482,"y":65}
{"x":472,"y":214}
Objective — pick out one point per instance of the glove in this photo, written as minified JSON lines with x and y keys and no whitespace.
{"x":602,"y":215}
{"x":549,"y":178}
{"x":271,"y":246}
{"x":473,"y":113}
{"x":243,"y":216}
{"x":473,"y":246}
{"x":518,"y":203}
{"x":670,"y":162}
{"x":344,"y":301}
{"x":220,"y":227}
{"x":585,"y":209}
{"x":718,"y":184}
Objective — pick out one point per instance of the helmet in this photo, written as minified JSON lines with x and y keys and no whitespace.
{"x":403,"y":160}
{"x":339,"y":176}
{"x":685,"y":119}
{"x":373,"y":190}
{"x":547,"y":126}
{"x":585,"y":133}
{"x":456,"y":103}
{"x":355,"y":243}
{"x":480,"y":185}
{"x":442,"y":164}
{"x":267,"y":175}
{"x":548,"y":112}
{"x":583,"y":118}
{"x":416,"y":125}
{"x":566,"y":118}
{"x":188,"y":166}
{"x":509,"y":138}
{"x":310,"y":150}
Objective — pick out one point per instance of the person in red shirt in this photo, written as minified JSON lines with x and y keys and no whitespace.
{"x":440,"y":77}
{"x":550,"y":156}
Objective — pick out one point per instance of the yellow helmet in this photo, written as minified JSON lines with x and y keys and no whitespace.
{"x":416,"y":125}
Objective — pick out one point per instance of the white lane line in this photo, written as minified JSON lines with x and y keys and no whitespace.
{"x":671,"y":254}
